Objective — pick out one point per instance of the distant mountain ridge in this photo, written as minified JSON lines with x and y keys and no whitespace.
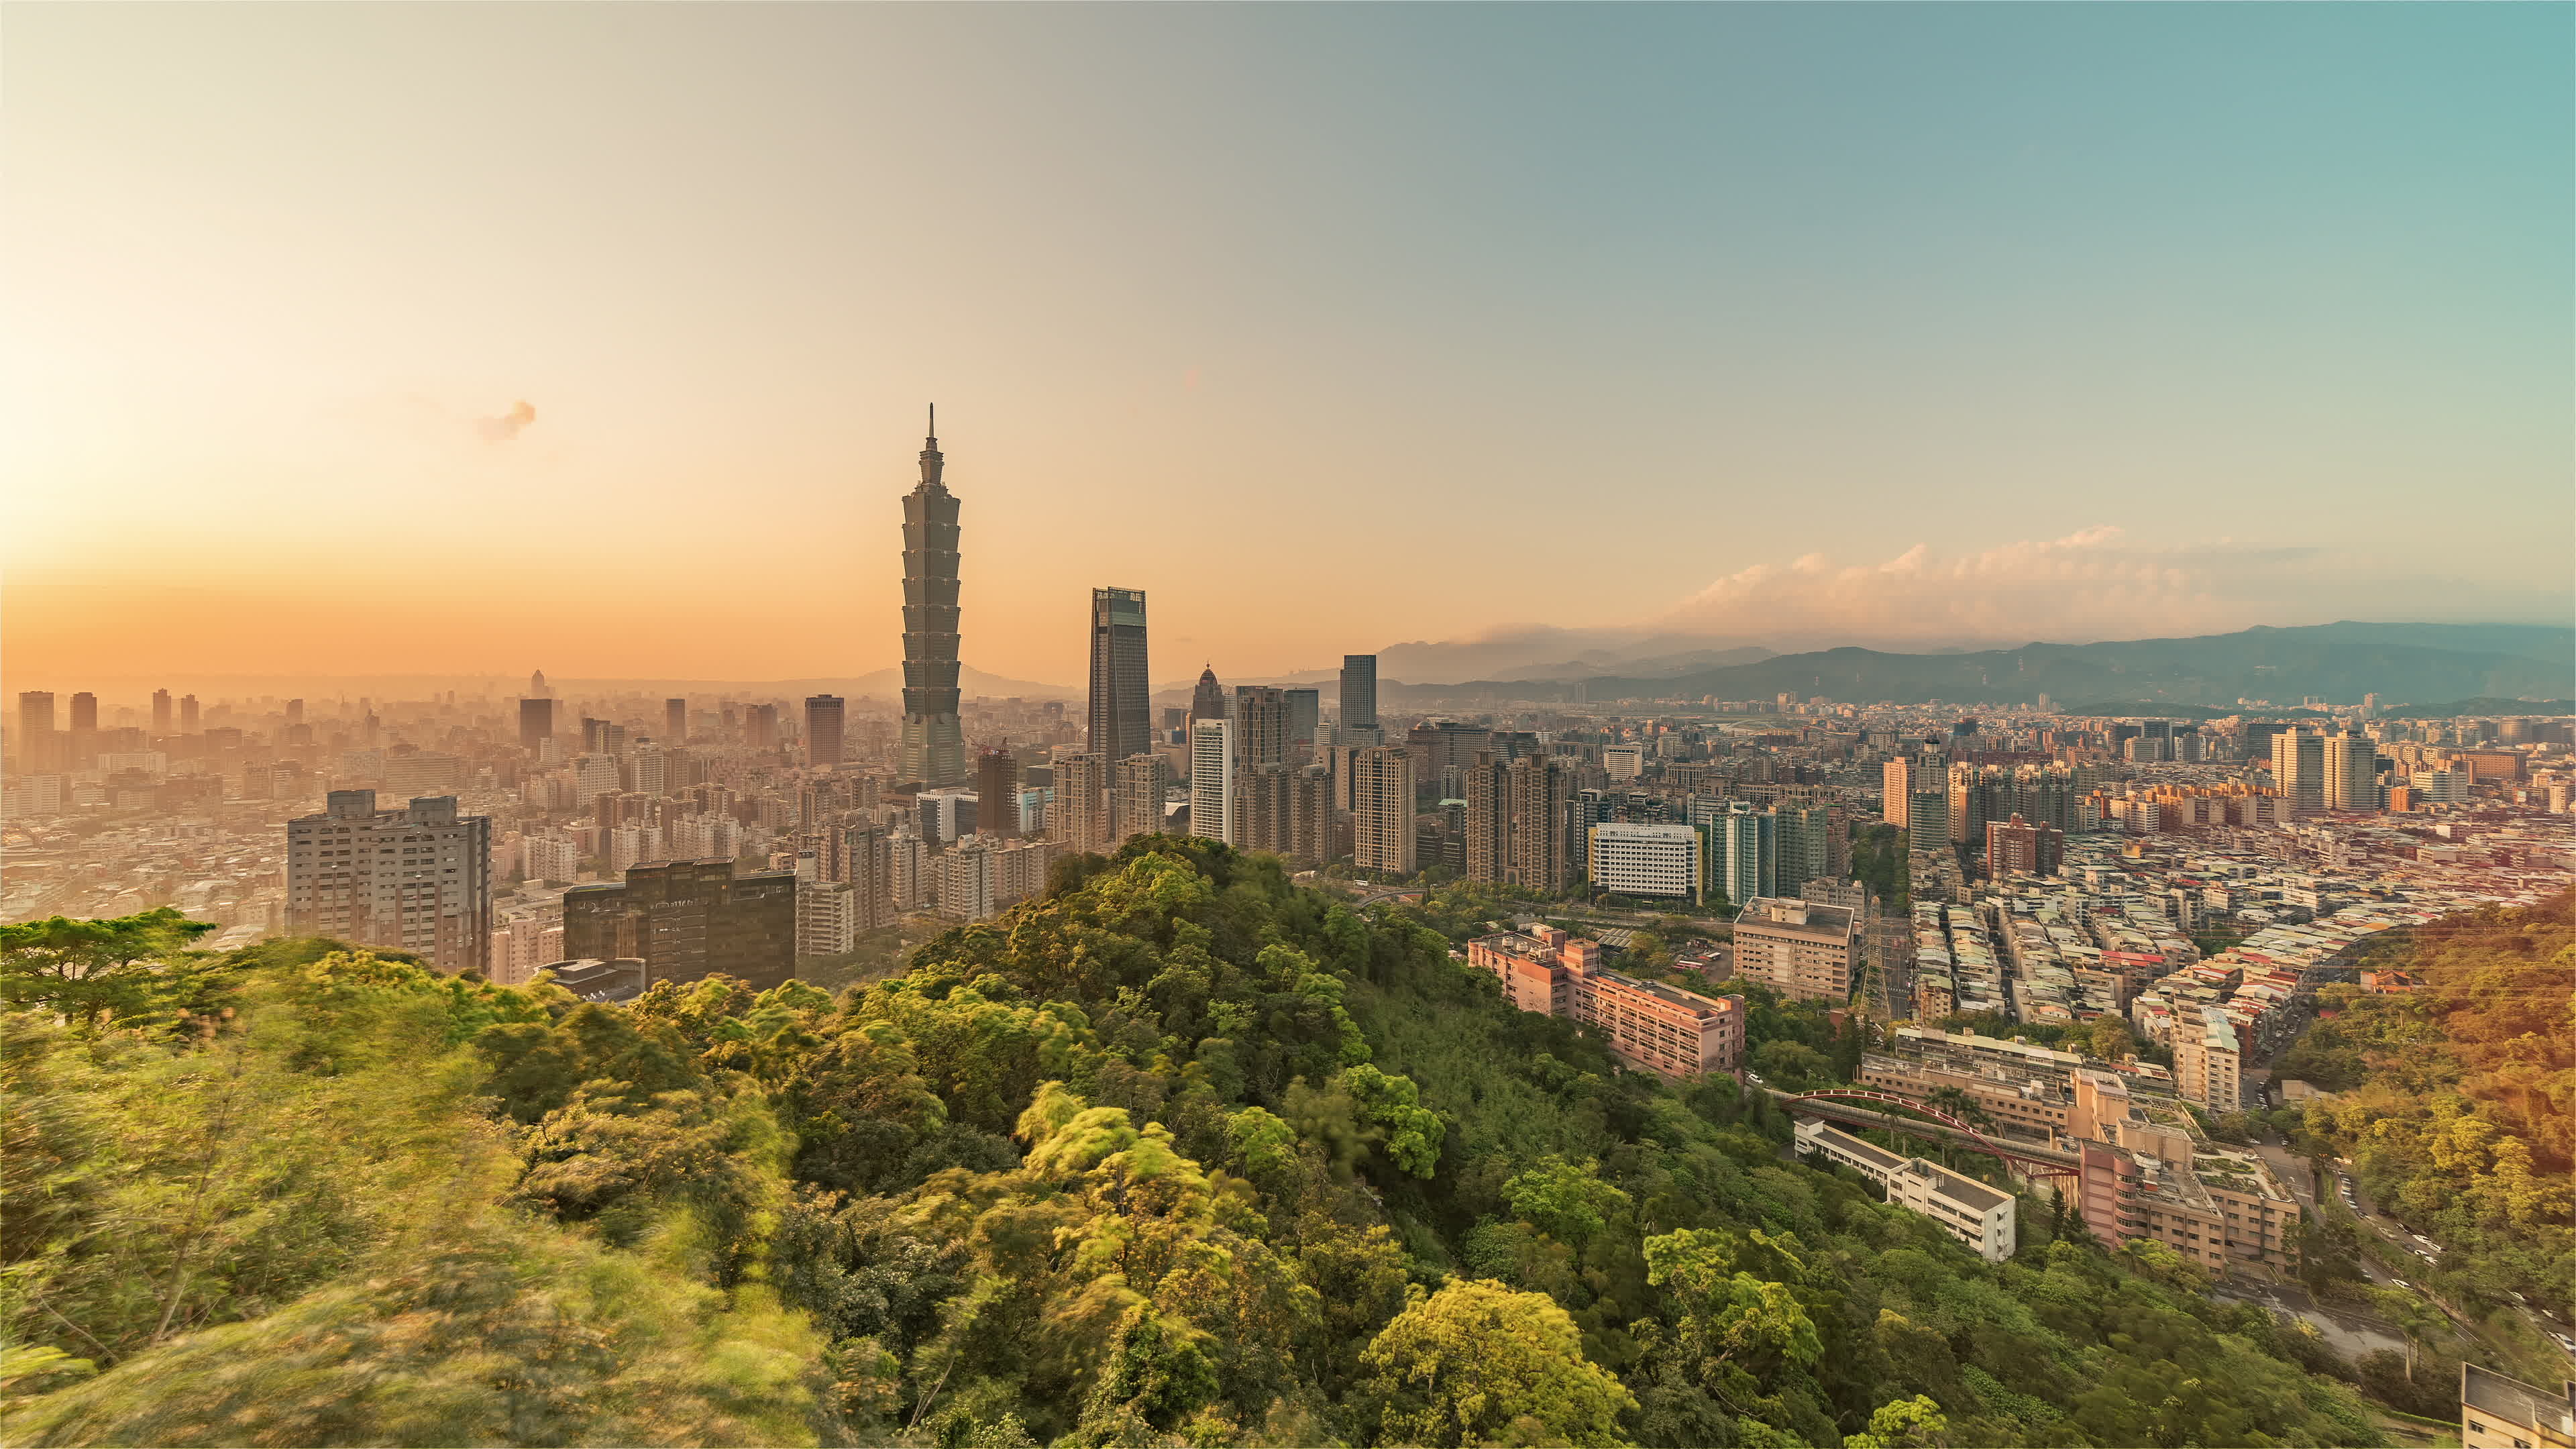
{"x":2337,"y":663}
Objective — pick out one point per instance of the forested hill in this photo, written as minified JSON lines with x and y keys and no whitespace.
{"x":1177,"y":1155}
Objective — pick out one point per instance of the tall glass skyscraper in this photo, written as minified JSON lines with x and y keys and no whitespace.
{"x":1359,"y":699}
{"x":933,"y":750}
{"x":1121,"y":715}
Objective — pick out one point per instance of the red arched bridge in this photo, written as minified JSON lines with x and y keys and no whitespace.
{"x":1828,"y":1104}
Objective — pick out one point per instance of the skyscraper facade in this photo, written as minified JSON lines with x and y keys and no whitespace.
{"x":1136,"y":804}
{"x":1382,"y":809}
{"x":160,"y":712}
{"x":1121,"y":714}
{"x":2352,"y":773}
{"x":675,"y":721}
{"x":1080,"y":818}
{"x":2299,"y":771}
{"x":823,"y":720}
{"x":690,"y":919}
{"x":997,"y":792}
{"x":1208,"y":700}
{"x":1212,"y":779}
{"x":416,"y":879}
{"x":1538,"y":857}
{"x":933,"y":747}
{"x":536,"y":723}
{"x":1359,"y":699}
{"x":1483,"y":784}
{"x":1260,"y":726}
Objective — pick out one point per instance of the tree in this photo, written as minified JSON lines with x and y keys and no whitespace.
{"x":1915,"y":1423}
{"x":1567,"y":1201}
{"x":128,"y":970}
{"x":1478,"y":1363}
{"x":1732,"y":1324}
{"x":1792,"y":1066}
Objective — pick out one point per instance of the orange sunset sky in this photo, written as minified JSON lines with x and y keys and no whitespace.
{"x":1330,"y":327}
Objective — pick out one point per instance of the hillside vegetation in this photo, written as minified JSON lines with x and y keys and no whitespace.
{"x":1179,"y":1154}
{"x":2457,"y":1104}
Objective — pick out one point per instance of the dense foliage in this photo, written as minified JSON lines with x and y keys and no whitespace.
{"x":1177,"y":1154}
{"x":2457,"y":1103}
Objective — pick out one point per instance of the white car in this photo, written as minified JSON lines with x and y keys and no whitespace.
{"x":2402,"y":1283}
{"x":2565,"y":1342}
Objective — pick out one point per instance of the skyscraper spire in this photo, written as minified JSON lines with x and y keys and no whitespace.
{"x":930,"y":457}
{"x":933,"y":750}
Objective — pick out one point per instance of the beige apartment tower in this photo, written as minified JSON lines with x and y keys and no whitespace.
{"x":1382,"y":809}
{"x":1081,"y":819}
{"x":1136,"y":806}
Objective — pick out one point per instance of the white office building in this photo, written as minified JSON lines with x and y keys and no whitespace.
{"x":1966,"y":1209}
{"x":1212,"y":778}
{"x":1645,"y":860}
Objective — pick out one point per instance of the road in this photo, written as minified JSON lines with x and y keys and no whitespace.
{"x":2294,"y":1170}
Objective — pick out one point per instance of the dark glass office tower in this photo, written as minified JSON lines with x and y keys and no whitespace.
{"x":1121,"y":719}
{"x":823,"y":720}
{"x":1359,"y":698}
{"x":933,"y":750}
{"x":536,"y":723}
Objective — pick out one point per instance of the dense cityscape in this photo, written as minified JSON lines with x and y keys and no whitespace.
{"x":1687,"y":726}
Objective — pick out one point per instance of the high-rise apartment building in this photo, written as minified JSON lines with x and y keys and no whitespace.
{"x":39,"y":749}
{"x":1260,"y":726}
{"x":1744,"y":850}
{"x":417,"y":879}
{"x":1314,"y":833}
{"x":997,"y":790}
{"x":187,"y":714}
{"x":1305,"y":723}
{"x":1212,"y":779}
{"x":85,"y":713}
{"x":1484,"y":786}
{"x":1895,"y":791}
{"x":1080,"y":819}
{"x":760,"y":726}
{"x":933,"y":746}
{"x":2299,"y":771}
{"x":1262,"y":809}
{"x":1802,"y":835}
{"x":2352,"y":773}
{"x":1382,"y":809}
{"x":823,"y":719}
{"x":2016,"y":845}
{"x":675,"y":722}
{"x":160,"y":712}
{"x":690,"y":919}
{"x":1136,"y":806}
{"x":536,"y":723}
{"x":1538,"y":856}
{"x":1359,"y":700}
{"x":1121,"y":713}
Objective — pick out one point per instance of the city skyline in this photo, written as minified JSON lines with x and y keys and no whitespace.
{"x":2191,"y":363}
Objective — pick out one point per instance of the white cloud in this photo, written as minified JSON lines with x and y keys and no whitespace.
{"x":2092,"y":584}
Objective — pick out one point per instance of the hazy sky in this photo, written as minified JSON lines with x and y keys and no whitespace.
{"x":1330,"y":326}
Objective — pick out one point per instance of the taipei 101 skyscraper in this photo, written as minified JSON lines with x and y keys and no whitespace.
{"x":934,"y":743}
